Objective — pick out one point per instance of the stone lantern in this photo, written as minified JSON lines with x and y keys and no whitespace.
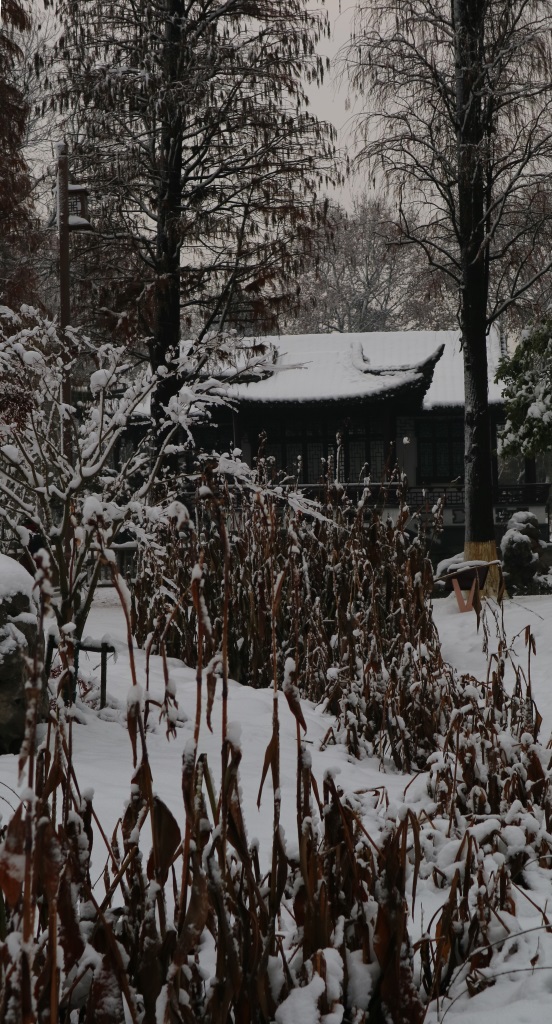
{"x":77,"y":196}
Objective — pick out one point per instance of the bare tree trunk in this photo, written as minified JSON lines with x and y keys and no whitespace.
{"x":477,"y":442}
{"x":469,"y":25}
{"x":165,"y":342}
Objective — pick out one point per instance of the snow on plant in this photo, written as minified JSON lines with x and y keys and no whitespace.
{"x":69,"y":472}
{"x":335,"y":606}
{"x":352,"y":610}
{"x":527,"y":377}
{"x":134,"y":952}
{"x":189,"y":930}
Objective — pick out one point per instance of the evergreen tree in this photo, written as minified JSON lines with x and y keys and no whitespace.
{"x":527,"y":377}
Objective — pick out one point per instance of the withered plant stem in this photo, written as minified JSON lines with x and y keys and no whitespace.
{"x":224,"y":748}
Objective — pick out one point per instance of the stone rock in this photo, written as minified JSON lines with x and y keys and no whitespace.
{"x":527,"y":558}
{"x":18,"y":638}
{"x":527,"y":524}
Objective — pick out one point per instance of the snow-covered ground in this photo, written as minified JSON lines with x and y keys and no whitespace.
{"x":523,"y":993}
{"x":103,"y":762}
{"x":462,"y":644}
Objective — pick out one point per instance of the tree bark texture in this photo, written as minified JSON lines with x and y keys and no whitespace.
{"x":164,"y":344}
{"x":469,"y":24}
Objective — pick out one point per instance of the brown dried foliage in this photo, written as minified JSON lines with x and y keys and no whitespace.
{"x":137,"y":951}
{"x":352,"y":607}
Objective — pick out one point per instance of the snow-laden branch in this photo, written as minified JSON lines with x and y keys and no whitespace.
{"x":59,"y":460}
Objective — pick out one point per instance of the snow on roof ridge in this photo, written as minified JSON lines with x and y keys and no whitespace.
{"x":361,"y":366}
{"x":364,"y":364}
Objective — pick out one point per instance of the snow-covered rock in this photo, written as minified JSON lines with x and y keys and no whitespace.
{"x":525,"y":556}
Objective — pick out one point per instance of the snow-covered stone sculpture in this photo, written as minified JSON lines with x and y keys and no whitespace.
{"x":526,"y":556}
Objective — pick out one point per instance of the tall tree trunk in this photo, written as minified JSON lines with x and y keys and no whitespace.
{"x":165,"y":341}
{"x":469,"y":22}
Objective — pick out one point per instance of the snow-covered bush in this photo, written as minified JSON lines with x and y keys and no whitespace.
{"x":527,"y":377}
{"x":70,"y":481}
{"x":517,"y":551}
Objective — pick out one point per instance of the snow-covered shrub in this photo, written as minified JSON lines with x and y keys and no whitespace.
{"x":517,"y":551}
{"x":58,"y":481}
{"x":527,"y":377}
{"x":70,"y":481}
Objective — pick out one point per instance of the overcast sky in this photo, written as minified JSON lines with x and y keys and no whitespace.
{"x":331,"y":101}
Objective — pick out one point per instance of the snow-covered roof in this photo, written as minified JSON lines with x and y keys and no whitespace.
{"x":447,"y":386}
{"x":326,"y":367}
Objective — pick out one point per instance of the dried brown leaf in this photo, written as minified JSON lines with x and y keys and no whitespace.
{"x":12,"y":859}
{"x":271,"y":754}
{"x":70,"y":936}
{"x":188,"y":784}
{"x":211,"y":683}
{"x":132,"y":724}
{"x":291,"y":694}
{"x":55,"y":776}
{"x":49,"y":858}
{"x":277,"y":592}
{"x":530,"y":639}
{"x":197,"y":912}
{"x":167,"y":839}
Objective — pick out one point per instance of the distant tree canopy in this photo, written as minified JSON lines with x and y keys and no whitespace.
{"x":459,"y":122}
{"x":15,"y":189}
{"x":188,"y":121}
{"x":364,"y":276}
{"x":527,"y":377}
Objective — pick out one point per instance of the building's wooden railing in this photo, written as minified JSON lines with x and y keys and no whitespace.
{"x":512,"y":496}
